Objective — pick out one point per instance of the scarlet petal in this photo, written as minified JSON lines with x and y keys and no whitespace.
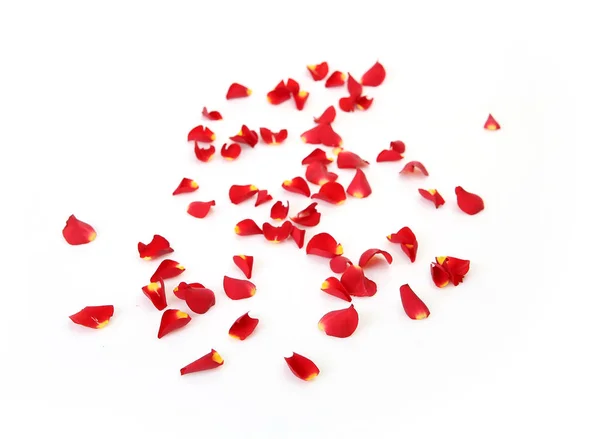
{"x":238,"y":91}
{"x":199,"y":209}
{"x":277,"y":234}
{"x":199,"y":300}
{"x":455,"y":267}
{"x":374,"y":76}
{"x":159,"y":246}
{"x":77,"y":232}
{"x":322,"y":134}
{"x":407,"y":240}
{"x":368,"y":255}
{"x":155,"y":291}
{"x":298,"y":236}
{"x":309,"y":217}
{"x":94,"y":317}
{"x":279,"y":94}
{"x":181,"y":289}
{"x":201,"y":134}
{"x":354,"y":87}
{"x":363,"y":103}
{"x":412,"y":167}
{"x":389,"y":155}
{"x":271,"y":138}
{"x":247,"y":227}
{"x":349,"y":160}
{"x":317,"y":156}
{"x":341,"y":323}
{"x":325,"y":245}
{"x":335,"y":288}
{"x":292,"y":86}
{"x":211,"y":115}
{"x":212,"y":360}
{"x":413,"y":306}
{"x":244,"y":263}
{"x":398,"y":146}
{"x":439,"y":275}
{"x":317,"y":173}
{"x":339,"y":264}
{"x":237,"y":289}
{"x":187,"y":185}
{"x":469,"y":203}
{"x":279,"y":212}
{"x":432,"y":195}
{"x":359,"y":187}
{"x":300,"y":99}
{"x":239,"y":193}
{"x":491,"y":124}
{"x":336,"y":79}
{"x":204,"y":154}
{"x":318,"y":71}
{"x":302,"y":367}
{"x":172,"y":319}
{"x":243,"y":327}
{"x":246,"y":136}
{"x":262,"y":197}
{"x":328,"y":116}
{"x":231,"y":152}
{"x":297,"y":185}
{"x":332,"y":192}
{"x":167,"y":270}
{"x":356,"y":283}
{"x":347,"y":104}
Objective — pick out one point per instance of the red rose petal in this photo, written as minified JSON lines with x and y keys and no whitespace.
{"x":398,"y":146}
{"x":317,"y":173}
{"x":212,"y":360}
{"x":302,"y":367}
{"x":413,"y":306}
{"x":339,"y":264}
{"x":204,"y":154}
{"x":455,"y":270}
{"x":432,"y":195}
{"x":211,"y":115}
{"x":243,"y":327}
{"x":155,"y":291}
{"x":363,"y":103}
{"x":300,"y":99}
{"x":201,"y":134}
{"x":309,"y":217}
{"x":298,"y":236}
{"x":271,"y":138}
{"x":77,"y":232}
{"x":356,"y":283}
{"x":247,"y":227}
{"x":297,"y":185}
{"x":159,"y":246}
{"x":332,"y":192}
{"x":349,"y":160}
{"x":413,"y":167}
{"x":322,"y":134}
{"x":334,"y":287}
{"x":340,"y":323}
{"x":469,"y":203}
{"x":277,"y":234}
{"x":95,"y":317}
{"x":199,"y":300}
{"x":389,"y":155}
{"x":318,"y":71}
{"x":327,"y":117}
{"x":231,"y":152}
{"x":368,"y":255}
{"x":279,"y":212}
{"x":167,"y":269}
{"x":172,"y":319}
{"x":199,"y":209}
{"x":407,"y":240}
{"x":347,"y":104}
{"x":237,"y":289}
{"x":374,"y":76}
{"x":491,"y":124}
{"x":439,"y":275}
{"x":317,"y":156}
{"x":239,"y":193}
{"x":181,"y":289}
{"x":324,"y":245}
{"x":292,"y":86}
{"x":336,"y":79}
{"x":279,"y":94}
{"x":359,"y":187}
{"x":187,"y":185}
{"x":262,"y":197}
{"x":245,"y":264}
{"x":246,"y":136}
{"x":237,"y":91}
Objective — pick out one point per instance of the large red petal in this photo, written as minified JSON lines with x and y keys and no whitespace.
{"x":199,"y":300}
{"x":237,"y":91}
{"x":237,"y":289}
{"x":187,"y":185}
{"x":374,"y":76}
{"x":211,"y":115}
{"x":243,"y":327}
{"x":318,"y":71}
{"x":334,"y":287}
{"x":309,"y":217}
{"x":359,"y":187}
{"x":339,"y":264}
{"x":279,"y":212}
{"x":172,"y":319}
{"x":324,"y":245}
{"x":302,"y":367}
{"x":468,"y":202}
{"x":317,"y":173}
{"x":432,"y":195}
{"x":181,"y":289}
{"x":413,"y":306}
{"x":297,"y":185}
{"x":167,"y":269}
{"x":356,"y":283}
{"x":204,"y":154}
{"x":262,"y":197}
{"x":413,"y":167}
{"x":341,"y":323}
{"x":240,"y":193}
{"x":407,"y":240}
{"x":159,"y":246}
{"x":247,"y":227}
{"x":491,"y":124}
{"x":328,"y":115}
{"x":212,"y":360}
{"x":336,"y":79}
{"x":199,"y":209}
{"x":349,"y":160}
{"x":245,"y":264}
{"x":317,"y":156}
{"x":277,"y":234}
{"x":231,"y":152}
{"x":331,"y":192}
{"x":95,"y":317}
{"x":368,"y":256}
{"x":201,"y":134}
{"x":155,"y":291}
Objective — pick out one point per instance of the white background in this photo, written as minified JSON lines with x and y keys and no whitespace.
{"x":95,"y":106}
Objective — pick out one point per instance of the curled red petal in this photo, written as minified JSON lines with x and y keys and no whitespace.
{"x":468,"y":202}
{"x":368,"y":256}
{"x":336,"y":79}
{"x":204,"y":154}
{"x":332,"y":192}
{"x":211,"y":115}
{"x":339,"y":264}
{"x":363,"y":103}
{"x":247,"y":227}
{"x":172,"y":319}
{"x":167,"y":270}
{"x":412,"y":304}
{"x":322,"y":134}
{"x":95,"y":317}
{"x":239,"y":193}
{"x":199,"y":300}
{"x":356,"y":283}
{"x":317,"y":173}
{"x":77,"y":232}
{"x":277,"y":234}
{"x":245,"y":264}
{"x":298,"y":236}
{"x":374,"y":76}
{"x":349,"y":160}
{"x":187,"y":185}
{"x":413,"y":167}
{"x":334,"y":287}
{"x":279,"y":212}
{"x":279,"y":94}
{"x":328,"y":116}
{"x":243,"y":327}
{"x":302,"y":367}
{"x":317,"y":156}
{"x":297,"y":185}
{"x":359,"y":187}
{"x":155,"y":291}
{"x":398,"y":146}
{"x":308,"y":217}
{"x":439,"y":275}
{"x":212,"y":360}
{"x":292,"y":86}
{"x":181,"y":289}
{"x":318,"y":71}
{"x":231,"y":152}
{"x":237,"y":289}
{"x":246,"y":136}
{"x":354,"y":87}
{"x":324,"y":245}
{"x":237,"y":91}
{"x":199,"y":209}
{"x":347,"y":104}
{"x":159,"y":246}
{"x":389,"y":155}
{"x":271,"y":138}
{"x":407,"y":240}
{"x":300,"y":99}
{"x":456,"y":268}
{"x":201,"y":134}
{"x":491,"y":124}
{"x":340,"y":323}
{"x":432,"y":195}
{"x":262,"y":197}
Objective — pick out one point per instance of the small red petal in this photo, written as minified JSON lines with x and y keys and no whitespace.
{"x":167,"y":270}
{"x":211,"y":115}
{"x":181,"y":289}
{"x":322,"y":134}
{"x":271,"y":138}
{"x":359,"y":187}
{"x":491,"y":124}
{"x":199,"y":300}
{"x":155,"y":291}
{"x":204,"y":154}
{"x":398,"y":146}
{"x":279,"y":94}
{"x":407,"y":240}
{"x":279,"y":212}
{"x":328,"y":116}
{"x":237,"y":289}
{"x":187,"y":185}
{"x":356,"y":283}
{"x":309,"y":217}
{"x":231,"y":152}
{"x":247,"y":227}
{"x":374,"y":76}
{"x":332,"y":192}
{"x":335,"y":288}
{"x":277,"y":234}
{"x":95,"y":317}
{"x":245,"y":264}
{"x":341,"y":323}
{"x":239,"y":193}
{"x":432,"y":195}
{"x":77,"y":232}
{"x":300,"y":99}
{"x":302,"y":367}
{"x":354,"y":87}
{"x":317,"y":173}
{"x":317,"y":156}
{"x":298,"y":236}
{"x":262,"y":197}
{"x":171,"y":320}
{"x":339,"y":264}
{"x":212,"y":360}
{"x":413,"y":306}
{"x":368,"y":255}
{"x":469,"y":203}
{"x":201,"y":134}
{"x":439,"y":275}
{"x":363,"y":103}
{"x":325,"y":245}
{"x":389,"y":155}
{"x":336,"y":79}
{"x":159,"y":246}
{"x":455,"y":268}
{"x":246,"y":136}
{"x":412,"y":167}
{"x":347,"y":104}
{"x":199,"y":209}
{"x":318,"y":71}
{"x":297,"y":185}
{"x":243,"y":327}
{"x":349,"y":160}
{"x":292,"y":86}
{"x":238,"y":91}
